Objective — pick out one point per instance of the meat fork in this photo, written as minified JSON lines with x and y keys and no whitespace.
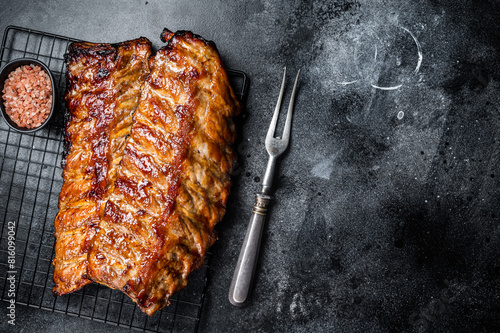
{"x":247,"y":261}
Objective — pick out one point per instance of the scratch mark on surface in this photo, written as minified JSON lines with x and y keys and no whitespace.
{"x":387,"y":88}
{"x":419,"y":50}
{"x":345,"y":83}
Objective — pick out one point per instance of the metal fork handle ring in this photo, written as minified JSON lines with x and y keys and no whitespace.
{"x":261,"y":203}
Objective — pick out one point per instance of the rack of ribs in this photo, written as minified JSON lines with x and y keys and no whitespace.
{"x":104,"y":82}
{"x":168,"y":189}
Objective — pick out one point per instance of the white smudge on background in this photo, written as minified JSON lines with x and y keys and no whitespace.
{"x":324,"y":168}
{"x":297,"y":307}
{"x":382,"y":53}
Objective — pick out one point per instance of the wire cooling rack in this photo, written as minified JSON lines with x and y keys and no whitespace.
{"x":30,"y":181}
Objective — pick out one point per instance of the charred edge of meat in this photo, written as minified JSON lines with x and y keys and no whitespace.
{"x":86,"y":49}
{"x":89,"y":49}
{"x":131,"y":43}
{"x":66,"y":148}
{"x":66,"y":58}
{"x":66,"y":115}
{"x":167,"y":36}
{"x":83,"y":48}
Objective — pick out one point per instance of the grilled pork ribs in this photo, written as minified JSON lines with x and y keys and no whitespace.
{"x":146,"y":183}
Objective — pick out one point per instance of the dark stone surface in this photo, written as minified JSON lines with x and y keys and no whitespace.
{"x":386,"y":214}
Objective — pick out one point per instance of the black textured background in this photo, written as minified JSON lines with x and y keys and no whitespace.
{"x":386,"y":214}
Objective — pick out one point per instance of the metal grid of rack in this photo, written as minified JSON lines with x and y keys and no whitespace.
{"x":30,"y":181}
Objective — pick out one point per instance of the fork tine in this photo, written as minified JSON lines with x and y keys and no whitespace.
{"x":288,"y":123}
{"x":272,"y":126}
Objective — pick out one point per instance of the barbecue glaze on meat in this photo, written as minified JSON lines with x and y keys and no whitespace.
{"x":104,"y":82}
{"x":173,"y":181}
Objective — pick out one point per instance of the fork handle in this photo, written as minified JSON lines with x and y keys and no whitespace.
{"x":247,"y":261}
